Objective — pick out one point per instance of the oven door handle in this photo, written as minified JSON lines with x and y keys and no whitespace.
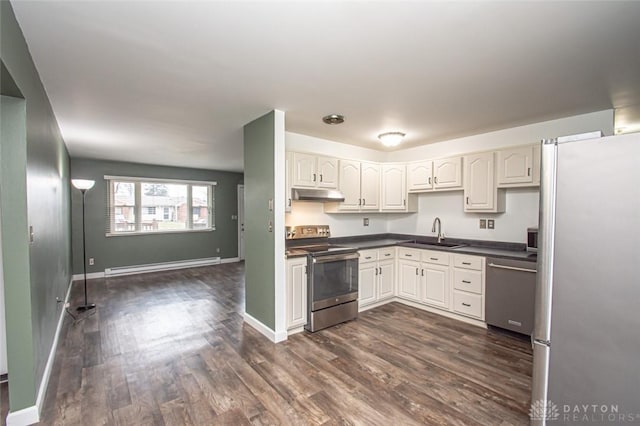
{"x":335,"y":257}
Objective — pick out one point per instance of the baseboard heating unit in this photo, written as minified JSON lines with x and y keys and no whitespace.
{"x":163,"y":266}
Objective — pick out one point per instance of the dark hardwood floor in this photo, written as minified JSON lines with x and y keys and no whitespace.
{"x":171,"y":348}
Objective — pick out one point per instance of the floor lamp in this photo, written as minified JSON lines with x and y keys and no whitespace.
{"x":84,"y":185}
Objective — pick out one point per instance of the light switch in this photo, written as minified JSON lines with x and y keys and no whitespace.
{"x":483,"y":223}
{"x":365,"y":221}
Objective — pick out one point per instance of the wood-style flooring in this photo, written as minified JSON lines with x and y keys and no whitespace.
{"x":171,"y":348}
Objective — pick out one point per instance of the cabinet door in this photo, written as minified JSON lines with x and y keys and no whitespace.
{"x":447,"y":173}
{"x":394,"y":189}
{"x":515,"y":165}
{"x":420,"y":176}
{"x":408,"y":279}
{"x":435,"y":281}
{"x":386,"y":278}
{"x":479,"y":185}
{"x":304,"y":170}
{"x":296,"y":293}
{"x":287,"y":182}
{"x":370,"y":186}
{"x":367,"y":283}
{"x":536,"y":164}
{"x":350,"y":185}
{"x":327,"y":173}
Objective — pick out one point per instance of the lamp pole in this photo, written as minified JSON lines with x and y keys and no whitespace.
{"x":84,"y":185}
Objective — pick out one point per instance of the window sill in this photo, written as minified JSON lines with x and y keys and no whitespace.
{"x":177,"y":231}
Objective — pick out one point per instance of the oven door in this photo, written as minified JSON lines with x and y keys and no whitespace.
{"x":333,"y":280}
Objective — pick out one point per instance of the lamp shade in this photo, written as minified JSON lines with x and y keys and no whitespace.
{"x":391,"y":138}
{"x":83,"y":184}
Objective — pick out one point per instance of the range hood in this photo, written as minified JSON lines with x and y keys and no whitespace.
{"x":316,"y":194}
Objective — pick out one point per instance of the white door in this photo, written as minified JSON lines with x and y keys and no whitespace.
{"x":350,"y":185}
{"x":408,"y":279}
{"x":367,"y":283}
{"x":327,"y":169}
{"x":479,"y":185}
{"x":394,"y":187}
{"x":296,"y":293}
{"x":515,"y":165}
{"x":447,"y":173}
{"x":304,"y":170}
{"x":241,"y":222}
{"x":386,"y":278}
{"x":370,"y":186}
{"x":435,"y":280}
{"x":420,"y":176}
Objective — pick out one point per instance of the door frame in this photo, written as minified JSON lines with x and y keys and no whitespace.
{"x":240,"y":217}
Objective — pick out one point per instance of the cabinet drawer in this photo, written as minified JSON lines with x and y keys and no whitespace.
{"x":468,"y":262}
{"x":437,"y":257}
{"x":368,"y":255}
{"x":467,"y":280}
{"x":387,"y":253}
{"x":407,"y":253}
{"x":467,"y":304}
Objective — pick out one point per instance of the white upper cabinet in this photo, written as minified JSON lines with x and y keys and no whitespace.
{"x":445,"y":173}
{"x":327,"y":172}
{"x":480,"y":190}
{"x":360,"y":185}
{"x":312,"y":171}
{"x":370,"y":186}
{"x":515,"y":166}
{"x":394,"y":187}
{"x":536,"y":164}
{"x":420,"y":176}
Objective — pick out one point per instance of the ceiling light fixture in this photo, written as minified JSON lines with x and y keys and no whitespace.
{"x":391,"y":138}
{"x":333,"y":119}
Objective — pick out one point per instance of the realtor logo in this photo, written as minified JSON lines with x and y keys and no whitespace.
{"x":544,"y":410}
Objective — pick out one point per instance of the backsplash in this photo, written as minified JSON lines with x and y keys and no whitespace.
{"x":342,"y":225}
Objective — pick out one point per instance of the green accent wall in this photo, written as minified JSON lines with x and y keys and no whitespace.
{"x":35,"y":273}
{"x":128,"y":250}
{"x":259,"y":142}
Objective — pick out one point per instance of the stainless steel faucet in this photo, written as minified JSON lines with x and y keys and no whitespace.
{"x":433,"y":229}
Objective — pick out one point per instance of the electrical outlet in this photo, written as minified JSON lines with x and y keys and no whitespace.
{"x":365,"y":221}
{"x":218,"y":250}
{"x":491,"y":224}
{"x":483,"y":223}
{"x":91,"y":261}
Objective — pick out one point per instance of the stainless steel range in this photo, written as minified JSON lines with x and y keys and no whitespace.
{"x":332,"y":276}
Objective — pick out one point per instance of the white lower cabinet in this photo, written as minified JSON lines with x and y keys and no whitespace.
{"x":468,"y":286}
{"x":296,"y":292}
{"x":376,"y":275}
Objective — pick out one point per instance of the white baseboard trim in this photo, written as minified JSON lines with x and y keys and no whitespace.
{"x":230,"y":260}
{"x":295,"y":330}
{"x":163,"y":266}
{"x":90,"y":276}
{"x":31,"y":415}
{"x":264,"y":330}
{"x":24,"y":417}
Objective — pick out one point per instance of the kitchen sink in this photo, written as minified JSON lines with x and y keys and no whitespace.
{"x":442,"y":244}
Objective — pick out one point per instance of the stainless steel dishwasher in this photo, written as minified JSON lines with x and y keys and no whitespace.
{"x":510,"y":286}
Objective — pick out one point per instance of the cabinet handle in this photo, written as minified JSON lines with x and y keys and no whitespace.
{"x":368,"y":257}
{"x":408,"y":255}
{"x":417,"y":271}
{"x":289,"y":202}
{"x":429,"y":181}
{"x":320,"y":177}
{"x":466,"y":304}
{"x":387,"y":254}
{"x":528,"y":171}
{"x":422,"y":273}
{"x":466,"y":263}
{"x":359,"y":201}
{"x":404,"y":201}
{"x":433,"y":258}
{"x":435,"y":179}
{"x":467,"y":200}
{"x":466,"y":282}
{"x":381,"y":270}
{"x":314,"y":177}
{"x":364,"y":201}
{"x":376,"y":271}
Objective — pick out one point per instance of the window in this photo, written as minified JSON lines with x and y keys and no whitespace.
{"x":141,"y":205}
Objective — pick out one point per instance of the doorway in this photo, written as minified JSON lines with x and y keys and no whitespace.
{"x":241,"y":222}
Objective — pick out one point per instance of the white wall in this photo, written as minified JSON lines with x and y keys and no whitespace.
{"x":521,"y":213}
{"x":521,"y":204}
{"x":523,"y":135}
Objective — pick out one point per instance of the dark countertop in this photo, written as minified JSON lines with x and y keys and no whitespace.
{"x":505,"y":250}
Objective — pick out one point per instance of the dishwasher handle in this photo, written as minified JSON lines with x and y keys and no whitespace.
{"x":512,"y":268}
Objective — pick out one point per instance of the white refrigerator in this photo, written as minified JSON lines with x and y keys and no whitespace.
{"x":586,"y":340}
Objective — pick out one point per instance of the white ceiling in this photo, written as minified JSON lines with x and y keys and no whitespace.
{"x":174,"y":82}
